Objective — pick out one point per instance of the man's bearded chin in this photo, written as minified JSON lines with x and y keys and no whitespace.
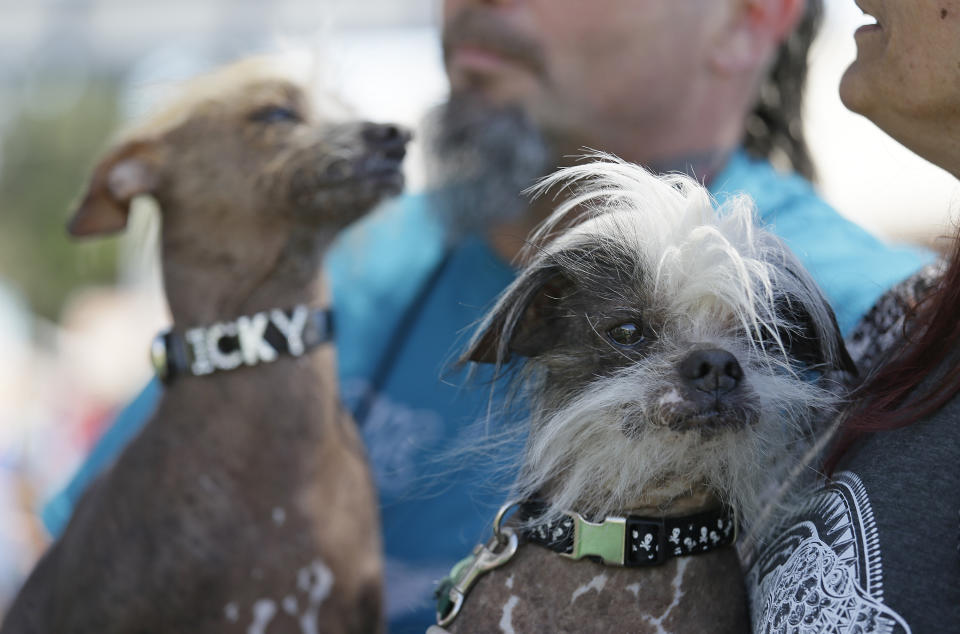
{"x":479,"y":158}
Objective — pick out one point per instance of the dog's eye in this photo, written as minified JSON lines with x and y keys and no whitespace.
{"x":275,"y":114}
{"x":628,"y":334}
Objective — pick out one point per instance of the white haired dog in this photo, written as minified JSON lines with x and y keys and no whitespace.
{"x":675,"y":357}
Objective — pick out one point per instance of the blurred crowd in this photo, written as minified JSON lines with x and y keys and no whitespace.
{"x":60,"y":383}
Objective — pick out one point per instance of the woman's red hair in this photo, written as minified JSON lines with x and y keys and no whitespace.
{"x":892,"y":398}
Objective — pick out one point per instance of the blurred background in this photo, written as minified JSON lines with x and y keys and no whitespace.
{"x":76,"y":318}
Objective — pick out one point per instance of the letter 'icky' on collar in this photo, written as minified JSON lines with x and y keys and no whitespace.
{"x":246,"y":341}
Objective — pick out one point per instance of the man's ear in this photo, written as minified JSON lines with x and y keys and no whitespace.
{"x":756,"y":29}
{"x":526,"y":320}
{"x":124,"y":173}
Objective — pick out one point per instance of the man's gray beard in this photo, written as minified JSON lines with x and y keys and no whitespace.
{"x":479,"y":158}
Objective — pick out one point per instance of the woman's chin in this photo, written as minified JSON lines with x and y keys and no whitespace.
{"x":853,"y":89}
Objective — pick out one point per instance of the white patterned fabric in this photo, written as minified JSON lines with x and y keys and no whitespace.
{"x":824,"y":575}
{"x":876,"y":549}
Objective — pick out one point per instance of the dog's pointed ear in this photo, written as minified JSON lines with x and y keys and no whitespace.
{"x":817,"y":342}
{"x":525,"y":321}
{"x":817,"y":348}
{"x":124,"y":173}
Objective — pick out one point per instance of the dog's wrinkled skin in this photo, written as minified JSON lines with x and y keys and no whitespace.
{"x":675,"y":359}
{"x":245,"y":504}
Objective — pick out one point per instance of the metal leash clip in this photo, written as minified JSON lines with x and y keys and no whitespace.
{"x":484,"y":558}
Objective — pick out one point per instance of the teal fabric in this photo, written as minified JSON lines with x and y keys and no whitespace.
{"x":852,"y":266}
{"x":436,"y":499}
{"x":57,"y":511}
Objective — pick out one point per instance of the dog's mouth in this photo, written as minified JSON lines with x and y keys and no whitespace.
{"x":379,"y":168}
{"x":713,"y":421}
{"x":708,"y":423}
{"x":345,"y":187}
{"x":681,"y":412}
{"x":383,"y":170}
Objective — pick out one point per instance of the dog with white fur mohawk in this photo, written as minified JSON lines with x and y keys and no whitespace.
{"x":675,"y":357}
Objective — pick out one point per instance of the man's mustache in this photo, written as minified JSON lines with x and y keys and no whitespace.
{"x":481,"y":28}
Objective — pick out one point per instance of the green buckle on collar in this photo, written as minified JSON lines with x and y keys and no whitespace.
{"x":606,"y":540}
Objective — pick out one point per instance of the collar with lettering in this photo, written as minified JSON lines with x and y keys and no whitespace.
{"x":248,"y":340}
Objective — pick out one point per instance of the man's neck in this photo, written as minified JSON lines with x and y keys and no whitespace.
{"x":509,"y":237}
{"x":702,"y":166}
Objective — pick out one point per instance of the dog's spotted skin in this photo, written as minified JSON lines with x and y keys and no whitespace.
{"x":539,"y":591}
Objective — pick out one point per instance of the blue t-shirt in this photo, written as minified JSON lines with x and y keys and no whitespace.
{"x":405,"y":299}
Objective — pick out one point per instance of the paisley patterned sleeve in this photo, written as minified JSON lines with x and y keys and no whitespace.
{"x":877,"y":334}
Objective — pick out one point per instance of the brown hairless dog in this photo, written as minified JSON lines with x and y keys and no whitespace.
{"x":246,"y":504}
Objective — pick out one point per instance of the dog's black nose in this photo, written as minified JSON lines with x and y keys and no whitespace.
{"x":711,"y":370}
{"x":390,"y":138}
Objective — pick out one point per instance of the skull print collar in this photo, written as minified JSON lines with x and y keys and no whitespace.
{"x":630,"y":540}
